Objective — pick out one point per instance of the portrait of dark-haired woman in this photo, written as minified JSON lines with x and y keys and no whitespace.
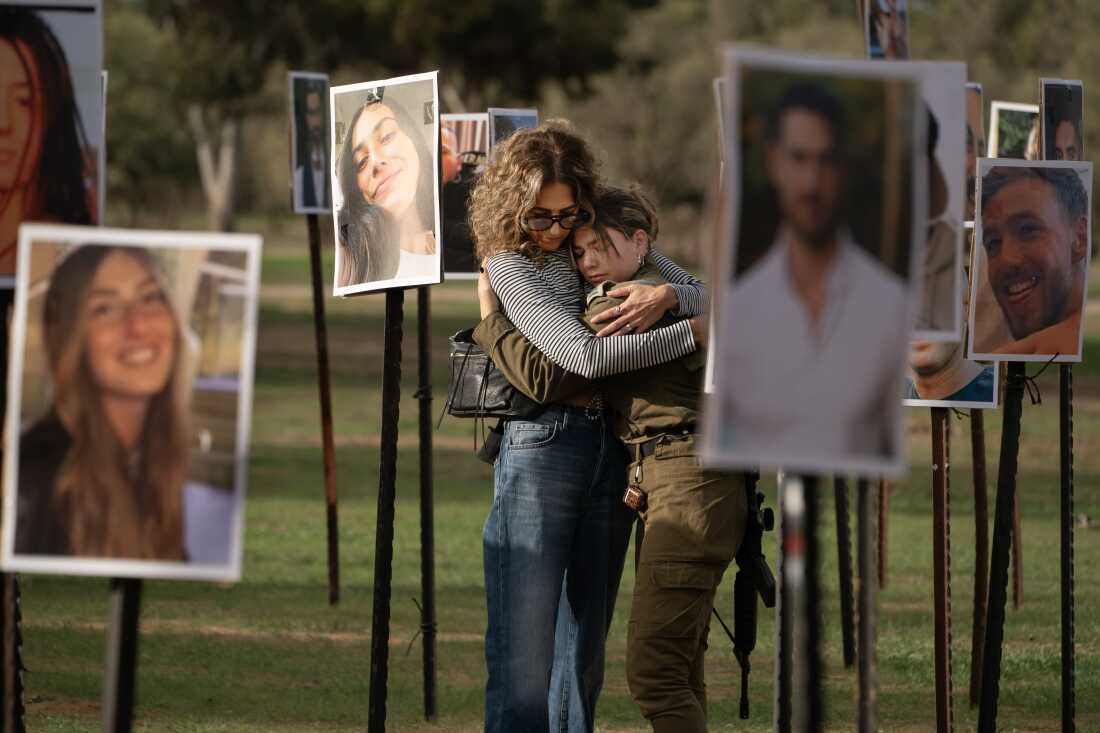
{"x":386,"y":225}
{"x":43,"y":146}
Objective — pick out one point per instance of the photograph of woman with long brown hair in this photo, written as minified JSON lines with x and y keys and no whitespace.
{"x":114,"y":435}
{"x":386,"y":201}
{"x":48,"y":146}
{"x":556,"y":536}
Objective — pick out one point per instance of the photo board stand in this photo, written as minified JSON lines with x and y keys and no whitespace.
{"x":427,"y":517}
{"x":883,"y":526}
{"x":11,"y":682}
{"x":981,"y":550}
{"x":324,"y":386}
{"x":800,"y":610}
{"x":999,"y":555}
{"x":120,"y":675}
{"x":868,"y":608}
{"x":1065,"y":434}
{"x":387,"y":490}
{"x":941,"y":565}
{"x":844,"y":569}
{"x":789,"y":539}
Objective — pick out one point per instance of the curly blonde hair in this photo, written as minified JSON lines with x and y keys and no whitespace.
{"x":553,"y":152}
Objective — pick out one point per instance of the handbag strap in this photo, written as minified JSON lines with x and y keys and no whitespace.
{"x":455,"y":381}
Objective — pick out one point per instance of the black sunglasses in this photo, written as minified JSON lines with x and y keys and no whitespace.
{"x":571,"y":220}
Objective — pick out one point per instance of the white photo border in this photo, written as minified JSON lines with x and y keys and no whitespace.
{"x":251,"y":245}
{"x":394,"y":283}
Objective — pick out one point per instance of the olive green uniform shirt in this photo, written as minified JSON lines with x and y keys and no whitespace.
{"x":648,"y":402}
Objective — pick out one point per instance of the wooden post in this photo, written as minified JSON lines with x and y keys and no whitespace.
{"x":427,"y":515}
{"x":1017,"y":555}
{"x":324,"y":386}
{"x":844,"y":569}
{"x":1002,"y":540}
{"x":981,"y":551}
{"x":387,"y":490}
{"x":941,"y":573}
{"x":11,"y":681}
{"x":120,"y":677}
{"x":1065,"y":432}
{"x":865,"y":555}
{"x":883,"y":515}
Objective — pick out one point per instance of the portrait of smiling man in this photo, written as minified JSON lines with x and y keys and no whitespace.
{"x":1035,"y":241}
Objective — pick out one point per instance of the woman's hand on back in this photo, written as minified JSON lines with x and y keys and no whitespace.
{"x":486,"y":298}
{"x":643,"y":306}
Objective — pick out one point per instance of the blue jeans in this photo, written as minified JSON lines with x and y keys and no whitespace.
{"x":554,"y":545}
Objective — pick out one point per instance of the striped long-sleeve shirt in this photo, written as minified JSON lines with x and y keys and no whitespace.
{"x":545,"y":303}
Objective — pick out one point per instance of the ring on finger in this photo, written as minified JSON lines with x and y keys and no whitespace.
{"x":628,"y":327}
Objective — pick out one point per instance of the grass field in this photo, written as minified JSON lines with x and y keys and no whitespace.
{"x":268,"y":654}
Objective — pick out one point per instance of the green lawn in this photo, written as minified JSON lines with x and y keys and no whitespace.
{"x":269,"y":654}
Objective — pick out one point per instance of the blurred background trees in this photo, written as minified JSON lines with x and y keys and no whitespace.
{"x":635,"y":74}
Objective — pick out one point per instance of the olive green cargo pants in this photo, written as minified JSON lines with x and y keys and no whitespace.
{"x":694,"y":521}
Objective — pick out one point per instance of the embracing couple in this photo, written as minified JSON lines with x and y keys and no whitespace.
{"x":563,"y":255}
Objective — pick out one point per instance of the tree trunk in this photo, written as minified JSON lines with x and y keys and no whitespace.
{"x":217,"y":169}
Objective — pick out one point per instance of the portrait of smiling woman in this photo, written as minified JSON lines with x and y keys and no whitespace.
{"x":385,"y":183}
{"x":102,"y":471}
{"x":129,"y":401}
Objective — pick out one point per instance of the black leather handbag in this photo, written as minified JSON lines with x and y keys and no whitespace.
{"x":478,"y":389}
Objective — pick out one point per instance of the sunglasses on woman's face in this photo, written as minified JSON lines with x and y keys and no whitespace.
{"x":568,"y":220}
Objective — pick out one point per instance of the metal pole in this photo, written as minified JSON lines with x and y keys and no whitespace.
{"x":427,"y":517}
{"x":981,"y":550}
{"x":1002,"y":540}
{"x":1017,"y":555}
{"x":387,"y":490}
{"x":320,"y":330}
{"x":11,"y":684}
{"x":122,"y":639}
{"x":1065,"y":431}
{"x":865,"y":554}
{"x":941,"y":560}
{"x":883,"y":513}
{"x":811,"y":613}
{"x":784,"y":610}
{"x":844,"y":567}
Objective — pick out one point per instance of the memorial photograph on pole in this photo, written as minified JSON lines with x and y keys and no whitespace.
{"x":309,"y":153}
{"x":975,"y":145}
{"x":52,"y":150}
{"x":129,"y":402}
{"x":464,"y":147}
{"x":939,"y":316}
{"x":887,"y":29}
{"x":503,"y":121}
{"x":1013,"y":130}
{"x":1063,"y":119}
{"x":1033,"y":243}
{"x":820,"y":263}
{"x":385,"y":184}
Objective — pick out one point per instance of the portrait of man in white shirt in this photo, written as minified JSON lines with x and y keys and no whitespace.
{"x":814,"y":331}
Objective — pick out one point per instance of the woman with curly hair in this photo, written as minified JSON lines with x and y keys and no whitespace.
{"x":557,"y":532}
